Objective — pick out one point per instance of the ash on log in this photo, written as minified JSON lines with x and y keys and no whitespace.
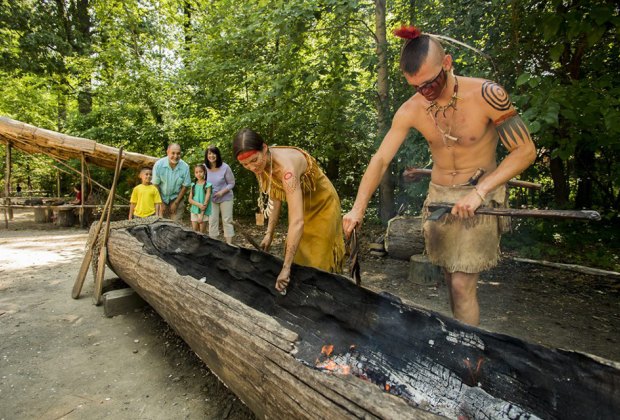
{"x":330,"y":349}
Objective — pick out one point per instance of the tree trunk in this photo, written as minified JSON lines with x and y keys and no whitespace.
{"x":560,"y":183}
{"x":8,"y":212}
{"x":187,"y":24}
{"x":61,"y":99}
{"x":332,"y":168}
{"x":412,"y":12}
{"x":584,"y":168}
{"x":82,"y":46}
{"x":386,"y":188}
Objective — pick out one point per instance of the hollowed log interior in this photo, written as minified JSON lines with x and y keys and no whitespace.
{"x":430,"y":360}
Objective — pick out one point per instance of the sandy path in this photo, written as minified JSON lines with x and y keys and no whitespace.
{"x":61,"y":358}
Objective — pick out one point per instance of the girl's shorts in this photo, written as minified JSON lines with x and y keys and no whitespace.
{"x":199,"y":218}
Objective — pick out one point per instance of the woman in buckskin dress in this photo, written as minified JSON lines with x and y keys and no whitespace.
{"x":314,"y":216}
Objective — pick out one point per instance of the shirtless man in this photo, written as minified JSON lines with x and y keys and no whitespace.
{"x":462,"y":119}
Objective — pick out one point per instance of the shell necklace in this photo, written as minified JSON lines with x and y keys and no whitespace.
{"x":433,"y":109}
{"x":265,"y":203}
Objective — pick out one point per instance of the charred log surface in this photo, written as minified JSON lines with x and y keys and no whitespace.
{"x":432,"y":361}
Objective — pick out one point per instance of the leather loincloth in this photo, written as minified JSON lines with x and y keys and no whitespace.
{"x":469,"y":245}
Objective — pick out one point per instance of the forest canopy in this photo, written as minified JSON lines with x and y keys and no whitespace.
{"x":144,"y":73}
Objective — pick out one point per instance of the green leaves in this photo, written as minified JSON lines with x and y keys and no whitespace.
{"x":303,"y":73}
{"x":551,"y":26}
{"x":523,"y":79}
{"x":556,"y":51}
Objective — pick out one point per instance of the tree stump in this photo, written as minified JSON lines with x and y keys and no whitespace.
{"x":404,"y":237}
{"x":42,"y":215}
{"x":422,"y":272}
{"x":65,"y":217}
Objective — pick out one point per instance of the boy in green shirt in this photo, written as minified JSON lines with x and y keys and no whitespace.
{"x":145,"y":199}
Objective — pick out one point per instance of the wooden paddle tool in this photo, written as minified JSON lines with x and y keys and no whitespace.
{"x":354,"y":261}
{"x":247,"y":236}
{"x":439,"y":209}
{"x":79,"y":281}
{"x":103,"y":252}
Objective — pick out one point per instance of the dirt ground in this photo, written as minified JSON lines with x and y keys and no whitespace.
{"x":61,"y":358}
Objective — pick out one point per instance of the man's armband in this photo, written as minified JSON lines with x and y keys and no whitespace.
{"x":512,"y":130}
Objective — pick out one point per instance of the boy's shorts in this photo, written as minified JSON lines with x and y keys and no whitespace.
{"x":199,"y":218}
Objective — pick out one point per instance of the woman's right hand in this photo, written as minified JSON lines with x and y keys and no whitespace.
{"x":283,"y":280}
{"x":266,"y":242}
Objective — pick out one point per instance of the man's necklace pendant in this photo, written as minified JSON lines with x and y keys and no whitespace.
{"x":447,"y":136}
{"x":434,"y":109}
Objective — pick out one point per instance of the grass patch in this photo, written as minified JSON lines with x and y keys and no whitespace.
{"x":593,"y":244}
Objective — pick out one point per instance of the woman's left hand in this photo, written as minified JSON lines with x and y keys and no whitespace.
{"x":283,"y":279}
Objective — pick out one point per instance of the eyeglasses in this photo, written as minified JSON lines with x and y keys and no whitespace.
{"x":428,"y":87}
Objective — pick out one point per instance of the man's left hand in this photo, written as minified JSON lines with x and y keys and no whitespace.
{"x":173,"y":207}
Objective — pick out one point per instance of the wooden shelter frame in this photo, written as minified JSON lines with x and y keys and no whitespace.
{"x":60,"y":147}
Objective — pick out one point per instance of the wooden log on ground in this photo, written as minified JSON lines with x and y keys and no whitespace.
{"x":570,"y":267}
{"x":404,"y":237}
{"x":274,"y":351}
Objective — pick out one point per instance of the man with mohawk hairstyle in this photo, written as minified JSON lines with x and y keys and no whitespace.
{"x":462,"y":119}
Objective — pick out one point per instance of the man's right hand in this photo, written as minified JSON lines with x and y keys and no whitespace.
{"x":350,"y":221}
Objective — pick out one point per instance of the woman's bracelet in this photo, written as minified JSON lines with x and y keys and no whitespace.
{"x":479,"y":195}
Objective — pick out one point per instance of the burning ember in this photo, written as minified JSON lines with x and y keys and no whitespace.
{"x":327,"y":350}
{"x":354,"y":363}
{"x":333,"y":364}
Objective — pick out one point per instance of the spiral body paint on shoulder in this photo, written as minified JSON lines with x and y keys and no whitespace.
{"x":496,"y":96}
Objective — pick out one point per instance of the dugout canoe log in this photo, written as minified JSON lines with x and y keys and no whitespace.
{"x":330,"y":349}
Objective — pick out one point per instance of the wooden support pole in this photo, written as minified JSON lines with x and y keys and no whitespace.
{"x":9,"y":163}
{"x":58,"y":183}
{"x":82,"y":191}
{"x":7,"y":183}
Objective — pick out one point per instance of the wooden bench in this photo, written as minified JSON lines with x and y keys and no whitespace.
{"x":63,"y":215}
